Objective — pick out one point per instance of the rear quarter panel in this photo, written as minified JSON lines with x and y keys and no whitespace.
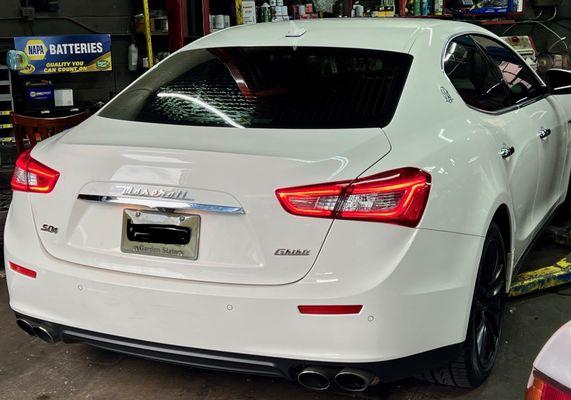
{"x":434,"y":130}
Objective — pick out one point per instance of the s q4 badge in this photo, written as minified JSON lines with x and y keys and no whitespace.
{"x":291,"y":252}
{"x":49,"y":228}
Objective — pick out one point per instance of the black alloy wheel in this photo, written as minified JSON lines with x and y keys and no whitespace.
{"x":489,"y":302}
{"x":475,"y":362}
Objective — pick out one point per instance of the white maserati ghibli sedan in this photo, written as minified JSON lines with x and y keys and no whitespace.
{"x":336,"y":202}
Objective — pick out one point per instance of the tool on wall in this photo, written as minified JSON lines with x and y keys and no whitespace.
{"x":148,"y":39}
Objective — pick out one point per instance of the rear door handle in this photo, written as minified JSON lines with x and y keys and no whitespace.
{"x":544,"y":132}
{"x":507,"y":151}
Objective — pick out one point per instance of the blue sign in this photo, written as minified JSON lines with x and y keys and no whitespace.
{"x":493,"y":7}
{"x":38,"y":94}
{"x":64,"y":54}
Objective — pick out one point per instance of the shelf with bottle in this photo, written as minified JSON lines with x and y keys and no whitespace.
{"x":236,"y":12}
{"x":223,"y":13}
{"x":423,"y":9}
{"x":278,"y":10}
{"x":220,"y":14}
{"x":477,"y":11}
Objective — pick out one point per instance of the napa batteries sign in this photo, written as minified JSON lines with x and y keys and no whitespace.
{"x":64,"y":54}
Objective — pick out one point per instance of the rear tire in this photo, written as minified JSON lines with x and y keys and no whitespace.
{"x":474,"y":364}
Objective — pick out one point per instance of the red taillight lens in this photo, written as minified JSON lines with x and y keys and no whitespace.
{"x":543,"y":389}
{"x":397,"y":196}
{"x":22,"y":270}
{"x":33,"y":176}
{"x":330,"y":309}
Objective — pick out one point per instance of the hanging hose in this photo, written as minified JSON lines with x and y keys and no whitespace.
{"x":560,"y":39}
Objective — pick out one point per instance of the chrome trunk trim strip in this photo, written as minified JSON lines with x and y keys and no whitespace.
{"x":162,"y":204}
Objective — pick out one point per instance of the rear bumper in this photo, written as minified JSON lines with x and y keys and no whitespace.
{"x":242,"y":363}
{"x":415,"y":287}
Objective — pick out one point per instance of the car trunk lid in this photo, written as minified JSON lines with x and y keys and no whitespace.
{"x":248,"y":239}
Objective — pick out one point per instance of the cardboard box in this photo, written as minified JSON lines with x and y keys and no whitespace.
{"x":249,"y":12}
{"x":63,"y":97}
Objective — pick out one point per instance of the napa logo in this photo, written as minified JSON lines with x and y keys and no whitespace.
{"x":102,"y":64}
{"x":35,"y":49}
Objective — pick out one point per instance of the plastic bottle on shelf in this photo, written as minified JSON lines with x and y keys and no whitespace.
{"x":266,"y":13}
{"x":273,"y":6}
{"x":438,"y":6}
{"x":133,"y":56}
{"x":424,"y":7}
{"x":416,"y":11}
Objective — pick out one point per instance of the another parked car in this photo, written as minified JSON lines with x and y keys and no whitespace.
{"x":551,"y":375}
{"x":330,"y":201}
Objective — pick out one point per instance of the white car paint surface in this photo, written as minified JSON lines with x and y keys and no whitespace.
{"x":553,"y":360}
{"x":414,"y":280}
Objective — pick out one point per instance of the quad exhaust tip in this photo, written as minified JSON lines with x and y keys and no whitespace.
{"x":42,"y":332}
{"x":314,"y":378}
{"x":354,"y":380}
{"x":349,"y":379}
{"x":25,"y":326}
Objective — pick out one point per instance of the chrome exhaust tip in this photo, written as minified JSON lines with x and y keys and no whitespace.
{"x":44,"y":334}
{"x":314,"y":378}
{"x":354,"y":380}
{"x":25,"y":326}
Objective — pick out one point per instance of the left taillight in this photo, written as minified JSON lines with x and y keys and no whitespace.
{"x":398,"y":196}
{"x":33,"y":176}
{"x":543,"y":388}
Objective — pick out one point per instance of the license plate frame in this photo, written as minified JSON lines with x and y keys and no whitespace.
{"x":186,"y":251}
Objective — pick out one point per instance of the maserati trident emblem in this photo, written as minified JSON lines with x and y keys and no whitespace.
{"x":153,"y":193}
{"x":446,"y":95}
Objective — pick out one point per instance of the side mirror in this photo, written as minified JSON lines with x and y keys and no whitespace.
{"x":558,"y":81}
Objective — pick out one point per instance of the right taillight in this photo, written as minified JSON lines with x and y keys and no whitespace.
{"x":33,"y":176}
{"x":544,"y":389}
{"x":398,"y":196}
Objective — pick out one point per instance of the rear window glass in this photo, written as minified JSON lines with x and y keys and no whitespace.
{"x":268,"y":87}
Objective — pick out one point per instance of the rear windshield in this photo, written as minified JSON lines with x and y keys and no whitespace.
{"x":268,"y":87}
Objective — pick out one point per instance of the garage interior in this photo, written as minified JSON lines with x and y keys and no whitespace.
{"x":144,"y":32}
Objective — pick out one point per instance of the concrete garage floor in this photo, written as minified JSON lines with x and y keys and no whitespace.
{"x":30,"y":369}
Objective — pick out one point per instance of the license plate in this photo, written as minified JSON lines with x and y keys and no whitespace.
{"x":160,"y":234}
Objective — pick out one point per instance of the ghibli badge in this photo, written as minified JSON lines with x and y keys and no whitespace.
{"x":291,"y":252}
